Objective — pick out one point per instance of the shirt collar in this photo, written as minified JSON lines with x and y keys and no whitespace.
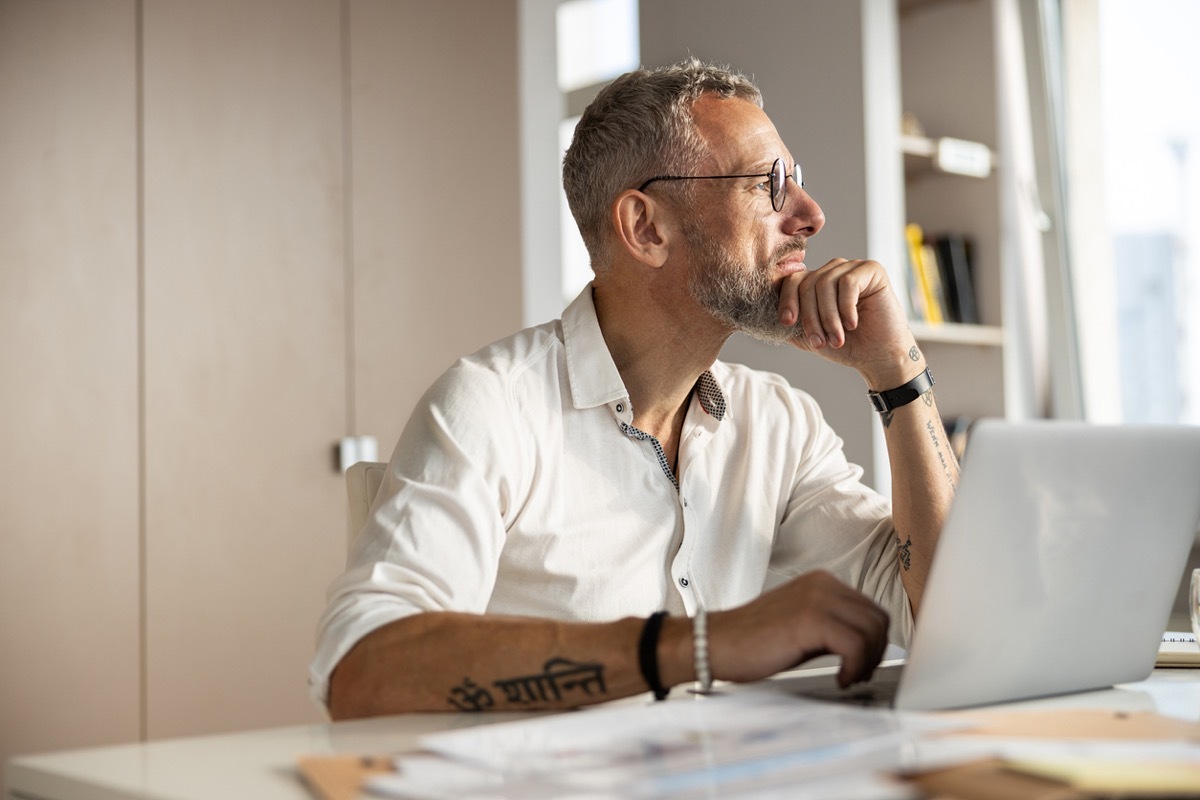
{"x":594,"y":378}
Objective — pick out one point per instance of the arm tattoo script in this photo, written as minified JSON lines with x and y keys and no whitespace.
{"x":558,"y":676}
{"x":470,"y":697}
{"x":947,"y":470}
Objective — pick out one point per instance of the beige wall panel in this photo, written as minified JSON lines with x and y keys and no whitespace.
{"x":68,"y":375}
{"x":806,"y":56}
{"x":245,"y":355}
{"x":436,"y":194}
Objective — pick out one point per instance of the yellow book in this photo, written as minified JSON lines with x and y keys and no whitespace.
{"x":921,"y":256}
{"x":931,"y":268}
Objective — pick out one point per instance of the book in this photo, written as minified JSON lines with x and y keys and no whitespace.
{"x":955,"y":253}
{"x":1178,"y":650}
{"x":924,"y":268}
{"x":916,"y":301}
{"x":931,"y":273}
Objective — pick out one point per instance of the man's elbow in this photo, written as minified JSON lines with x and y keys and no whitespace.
{"x":359,"y":688}
{"x":370,"y":681}
{"x":348,"y":698}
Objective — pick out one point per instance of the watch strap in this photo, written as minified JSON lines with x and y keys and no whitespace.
{"x":902,"y":395}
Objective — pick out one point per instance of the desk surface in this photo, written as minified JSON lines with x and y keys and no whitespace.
{"x":262,"y":764}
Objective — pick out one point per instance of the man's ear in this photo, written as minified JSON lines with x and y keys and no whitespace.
{"x":643,"y":227}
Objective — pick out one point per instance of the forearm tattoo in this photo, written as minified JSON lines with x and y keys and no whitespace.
{"x":904,"y":552}
{"x":559,"y":676}
{"x":947,"y":470}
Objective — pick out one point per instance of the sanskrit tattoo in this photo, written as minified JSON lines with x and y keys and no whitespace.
{"x":470,"y":697}
{"x":558,"y":676}
{"x":904,"y":552}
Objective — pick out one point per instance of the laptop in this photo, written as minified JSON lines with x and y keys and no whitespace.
{"x":1056,"y":569}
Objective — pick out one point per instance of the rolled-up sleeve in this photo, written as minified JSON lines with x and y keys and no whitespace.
{"x":834,"y":521}
{"x":434,"y":535}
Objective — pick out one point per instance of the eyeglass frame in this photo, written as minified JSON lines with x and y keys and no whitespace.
{"x":796,"y":174}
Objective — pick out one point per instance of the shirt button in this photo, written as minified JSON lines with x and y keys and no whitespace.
{"x":620,"y":408}
{"x":683,"y":581}
{"x":685,"y":503}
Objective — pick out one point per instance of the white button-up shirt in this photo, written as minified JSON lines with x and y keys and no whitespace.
{"x":520,"y":486}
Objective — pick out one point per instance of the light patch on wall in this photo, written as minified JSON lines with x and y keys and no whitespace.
{"x":597,"y":40}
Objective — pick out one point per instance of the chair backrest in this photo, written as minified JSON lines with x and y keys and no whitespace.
{"x":362,"y":484}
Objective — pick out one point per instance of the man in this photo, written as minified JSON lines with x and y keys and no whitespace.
{"x":597,"y":506}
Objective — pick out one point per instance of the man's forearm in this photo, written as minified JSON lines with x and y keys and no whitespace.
{"x":464,"y":662}
{"x":924,"y":474}
{"x":467,"y":662}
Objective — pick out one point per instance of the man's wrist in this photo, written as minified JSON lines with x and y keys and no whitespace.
{"x":676,"y":662}
{"x":890,"y":399}
{"x":893,"y":371}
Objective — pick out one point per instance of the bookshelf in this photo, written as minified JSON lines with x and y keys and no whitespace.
{"x":958,"y":333}
{"x":957,"y":179}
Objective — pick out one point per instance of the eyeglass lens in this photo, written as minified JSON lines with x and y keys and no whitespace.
{"x":779,"y":182}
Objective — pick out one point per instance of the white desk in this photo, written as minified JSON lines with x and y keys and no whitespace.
{"x":262,"y":764}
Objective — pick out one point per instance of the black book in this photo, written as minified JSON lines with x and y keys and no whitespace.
{"x":958,"y":277}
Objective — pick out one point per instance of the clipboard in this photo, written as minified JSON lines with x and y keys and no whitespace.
{"x":340,"y":777}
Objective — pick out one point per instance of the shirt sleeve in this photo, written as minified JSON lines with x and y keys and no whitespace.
{"x":833,"y":521}
{"x":433,"y":537}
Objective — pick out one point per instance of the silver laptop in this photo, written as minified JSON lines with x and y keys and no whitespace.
{"x":1057,"y":566}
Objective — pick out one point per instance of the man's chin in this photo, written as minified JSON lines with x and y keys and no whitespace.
{"x":772,"y":334}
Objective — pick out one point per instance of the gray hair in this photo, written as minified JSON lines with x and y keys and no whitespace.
{"x":639,"y":126}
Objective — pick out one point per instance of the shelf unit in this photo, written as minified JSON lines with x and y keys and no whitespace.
{"x":950,"y":74}
{"x":958,"y":333}
{"x":966,"y":160}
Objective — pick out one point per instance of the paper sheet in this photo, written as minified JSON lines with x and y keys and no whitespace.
{"x":743,"y":744}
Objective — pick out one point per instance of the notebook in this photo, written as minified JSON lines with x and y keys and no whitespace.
{"x":1057,"y":566}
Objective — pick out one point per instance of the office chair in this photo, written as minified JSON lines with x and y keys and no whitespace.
{"x":362,"y":484}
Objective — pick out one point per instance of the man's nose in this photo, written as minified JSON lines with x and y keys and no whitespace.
{"x":804,"y":216}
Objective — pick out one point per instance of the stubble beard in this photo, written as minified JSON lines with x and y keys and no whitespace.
{"x":736,"y":293}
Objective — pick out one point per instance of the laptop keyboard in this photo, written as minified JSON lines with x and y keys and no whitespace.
{"x":879,"y":692}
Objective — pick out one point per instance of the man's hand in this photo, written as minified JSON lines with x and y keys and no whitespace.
{"x":811,"y":615}
{"x":849,"y":315}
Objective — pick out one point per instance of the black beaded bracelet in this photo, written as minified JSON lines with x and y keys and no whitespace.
{"x":648,"y":654}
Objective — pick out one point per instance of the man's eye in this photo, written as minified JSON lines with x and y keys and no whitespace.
{"x":765,"y":186}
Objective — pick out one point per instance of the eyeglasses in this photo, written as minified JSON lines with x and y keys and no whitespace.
{"x":778,"y":177}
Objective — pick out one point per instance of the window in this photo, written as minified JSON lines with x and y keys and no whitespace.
{"x":597,"y":41}
{"x":1149,"y":148}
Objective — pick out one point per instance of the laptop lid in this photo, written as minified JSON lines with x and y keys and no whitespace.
{"x":1058,"y":563}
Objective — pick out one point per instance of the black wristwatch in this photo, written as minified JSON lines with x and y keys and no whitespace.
{"x":902,"y":395}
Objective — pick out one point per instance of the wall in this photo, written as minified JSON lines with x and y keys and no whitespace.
{"x":69,"y":383}
{"x":230,"y":234}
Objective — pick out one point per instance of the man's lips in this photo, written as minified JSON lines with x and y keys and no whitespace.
{"x":789,"y":265}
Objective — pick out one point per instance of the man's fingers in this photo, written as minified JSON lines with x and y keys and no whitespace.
{"x":811,"y":615}
{"x":828,"y":289}
{"x":858,"y":633}
{"x":789,"y":298}
{"x":826,"y":301}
